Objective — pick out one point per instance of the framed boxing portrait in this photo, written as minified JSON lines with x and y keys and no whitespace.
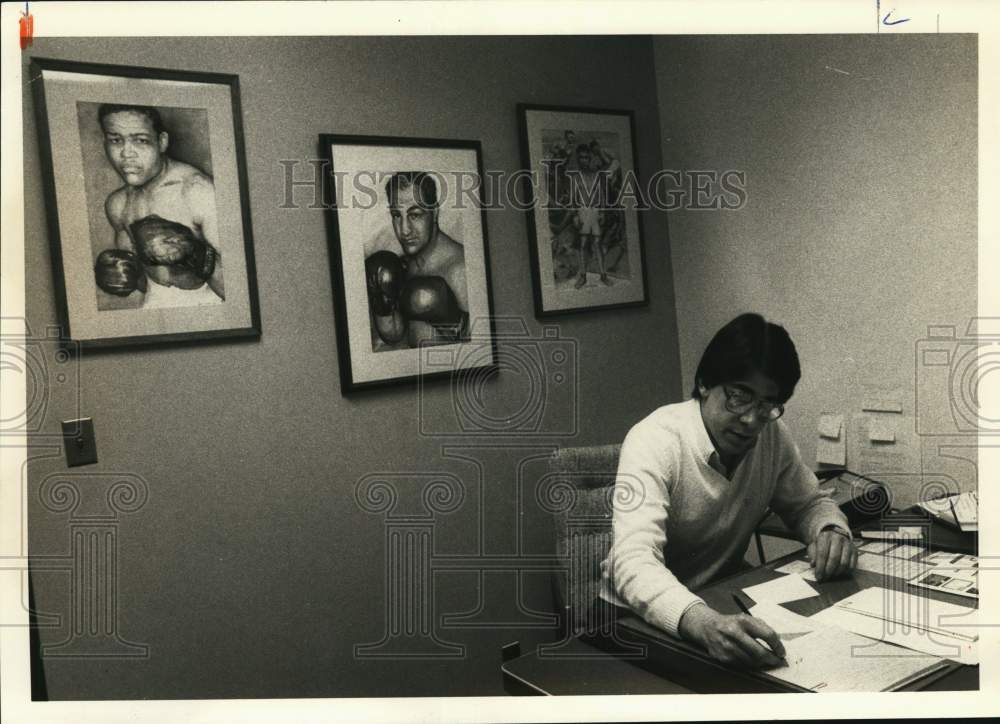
{"x":409,"y":259}
{"x":584,"y":227}
{"x":147,"y":203}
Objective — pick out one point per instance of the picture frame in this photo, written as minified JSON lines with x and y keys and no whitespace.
{"x":409,"y":259}
{"x":582,"y":220}
{"x":147,"y":204}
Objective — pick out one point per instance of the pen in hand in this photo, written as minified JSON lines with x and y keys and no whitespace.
{"x":763,"y":643}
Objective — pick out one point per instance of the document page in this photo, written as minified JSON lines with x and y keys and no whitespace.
{"x":824,"y":658}
{"x":914,"y":622}
{"x":780,"y":590}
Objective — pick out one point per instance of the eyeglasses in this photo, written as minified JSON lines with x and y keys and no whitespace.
{"x":740,"y":402}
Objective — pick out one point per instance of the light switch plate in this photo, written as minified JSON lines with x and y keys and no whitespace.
{"x":79,"y":442}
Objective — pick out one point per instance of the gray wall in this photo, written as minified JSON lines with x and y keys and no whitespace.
{"x":251,"y":570}
{"x":860,"y":226}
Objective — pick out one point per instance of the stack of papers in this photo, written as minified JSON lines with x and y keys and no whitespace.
{"x":824,"y":658}
{"x":917,"y":623}
{"x":960,"y":510}
{"x":902,"y":533}
{"x":888,"y":566}
{"x":957,"y":576}
{"x":800,"y":568}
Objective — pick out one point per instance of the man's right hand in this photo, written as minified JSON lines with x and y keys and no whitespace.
{"x":731,"y":639}
{"x":384,"y":276}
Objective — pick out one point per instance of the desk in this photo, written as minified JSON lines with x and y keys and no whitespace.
{"x":690,"y":667}
{"x":593,"y":665}
{"x":578,"y":668}
{"x":938,"y":535}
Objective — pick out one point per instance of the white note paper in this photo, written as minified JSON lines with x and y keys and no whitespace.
{"x":830,"y":426}
{"x":904,"y":532}
{"x":800,"y":568}
{"x":888,"y":566}
{"x":780,"y":590}
{"x":881,"y":429}
{"x":823,"y":658}
{"x":916,"y":623}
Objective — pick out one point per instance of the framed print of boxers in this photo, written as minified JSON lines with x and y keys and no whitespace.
{"x":147,"y":203}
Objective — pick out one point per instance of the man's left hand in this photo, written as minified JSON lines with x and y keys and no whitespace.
{"x":832,"y":554}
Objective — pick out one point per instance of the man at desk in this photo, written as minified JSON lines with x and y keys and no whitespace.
{"x":695,"y":477}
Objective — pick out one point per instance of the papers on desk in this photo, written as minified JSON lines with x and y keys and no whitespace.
{"x":905,"y":550}
{"x":939,"y":570}
{"x":877,"y":547}
{"x":960,"y":580}
{"x":914,"y":622}
{"x":888,"y":566}
{"x":780,"y":590}
{"x":824,"y":658}
{"x":900,"y":560}
{"x":954,"y":560}
{"x":902,"y":533}
{"x":799,"y":568}
{"x":961,"y":511}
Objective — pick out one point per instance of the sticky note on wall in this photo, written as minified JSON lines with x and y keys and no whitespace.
{"x":830,"y":426}
{"x":882,"y":404}
{"x":882,"y":430}
{"x":831,"y":448}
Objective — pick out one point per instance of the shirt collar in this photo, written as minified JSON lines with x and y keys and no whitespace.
{"x":700,"y":437}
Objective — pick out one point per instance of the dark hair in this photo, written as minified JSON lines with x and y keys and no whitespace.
{"x":151,"y":113}
{"x":583,"y":148}
{"x":746,"y":345}
{"x":425,"y":188}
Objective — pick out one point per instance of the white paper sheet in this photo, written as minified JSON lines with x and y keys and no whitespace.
{"x":882,"y":430}
{"x":914,"y":639}
{"x":875,"y":546}
{"x":905,"y":550}
{"x":830,"y":425}
{"x":956,"y":580}
{"x":903,"y":533}
{"x":824,"y":658}
{"x":886,"y":565}
{"x":780,"y":590}
{"x":905,"y":609}
{"x":800,"y":568}
{"x":831,"y":452}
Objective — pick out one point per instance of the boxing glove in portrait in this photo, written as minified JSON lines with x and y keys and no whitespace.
{"x":119,"y":272}
{"x":430,"y":299}
{"x":160,"y":242}
{"x":384,"y":276}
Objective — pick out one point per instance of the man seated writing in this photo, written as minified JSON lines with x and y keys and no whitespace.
{"x":700,"y":475}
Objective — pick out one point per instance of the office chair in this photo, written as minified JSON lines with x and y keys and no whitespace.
{"x":578,"y":491}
